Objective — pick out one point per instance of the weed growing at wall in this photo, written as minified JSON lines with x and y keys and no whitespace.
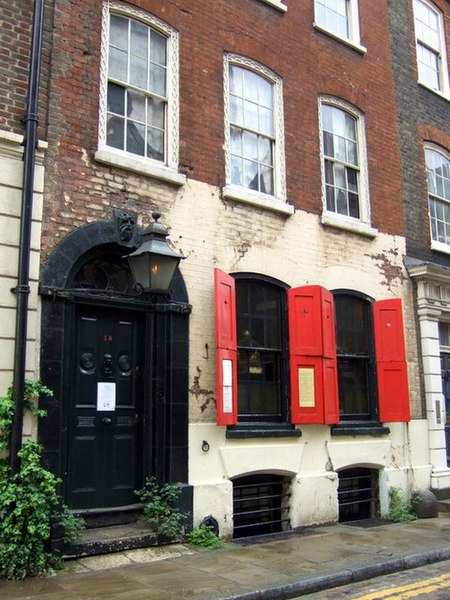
{"x":203,"y":536}
{"x":399,"y":510}
{"x":29,"y":502}
{"x":159,"y":510}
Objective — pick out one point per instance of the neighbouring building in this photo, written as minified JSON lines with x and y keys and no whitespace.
{"x":421,"y":45}
{"x":280,"y":381}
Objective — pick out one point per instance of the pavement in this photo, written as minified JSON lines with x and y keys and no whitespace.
{"x":273,"y":567}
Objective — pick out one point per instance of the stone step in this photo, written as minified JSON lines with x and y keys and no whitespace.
{"x":115,"y":538}
{"x":443,"y":494}
{"x":444,"y":506}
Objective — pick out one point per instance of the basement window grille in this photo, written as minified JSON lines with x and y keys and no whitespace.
{"x":357,"y":494}
{"x":260,"y":505}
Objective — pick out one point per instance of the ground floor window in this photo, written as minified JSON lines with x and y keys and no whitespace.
{"x":260,"y":505}
{"x":357,"y":494}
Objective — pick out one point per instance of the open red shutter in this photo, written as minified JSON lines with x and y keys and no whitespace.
{"x":393,"y":392}
{"x":226,"y":353}
{"x":313,"y":368}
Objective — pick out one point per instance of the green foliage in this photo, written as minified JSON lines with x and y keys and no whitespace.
{"x":32,"y":391}
{"x":159,"y":509}
{"x":29,"y":502}
{"x":203,"y":536}
{"x":399,"y":510}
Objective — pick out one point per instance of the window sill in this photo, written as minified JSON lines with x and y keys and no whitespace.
{"x":347,"y":42}
{"x":265,"y":201}
{"x":443,"y":95}
{"x":262,"y":430}
{"x":347,"y":224}
{"x":357,"y":428}
{"x":276,"y":4}
{"x":140,"y":165}
{"x":440,"y":247}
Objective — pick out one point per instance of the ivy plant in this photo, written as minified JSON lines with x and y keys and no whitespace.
{"x":29,"y":502}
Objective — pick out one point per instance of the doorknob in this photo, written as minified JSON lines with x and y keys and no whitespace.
{"x":106,"y":421}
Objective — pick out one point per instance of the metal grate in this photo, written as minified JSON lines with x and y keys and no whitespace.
{"x":260,"y":505}
{"x":357,"y":494}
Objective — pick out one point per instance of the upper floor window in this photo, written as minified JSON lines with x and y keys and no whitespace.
{"x":138,"y":126}
{"x":339,"y":18}
{"x":430,"y":46}
{"x":344,"y":165}
{"x":254,"y":161}
{"x":438,"y":180}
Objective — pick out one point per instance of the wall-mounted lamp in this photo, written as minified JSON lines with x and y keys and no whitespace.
{"x":154,"y":263}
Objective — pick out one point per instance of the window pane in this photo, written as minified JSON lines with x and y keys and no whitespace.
{"x":116,"y":99}
{"x":266,"y":180}
{"x":115,"y":127}
{"x":353,"y":392}
{"x":156,"y":112}
{"x":250,"y":175}
{"x":158,"y":48}
{"x":118,"y":64}
{"x":237,"y":171}
{"x":155,"y":144}
{"x":251,"y":85}
{"x":236,"y":110}
{"x":331,"y":204}
{"x":158,"y":80}
{"x":136,"y":106}
{"x":265,"y":151}
{"x":250,"y":145}
{"x":236,"y":80}
{"x":138,"y":71}
{"x":236,"y":141}
{"x":139,"y":39}
{"x":135,"y":138}
{"x":250,"y":115}
{"x":266,"y":121}
{"x":265,"y":93}
{"x":118,"y":32}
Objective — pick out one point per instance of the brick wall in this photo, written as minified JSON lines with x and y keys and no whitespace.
{"x":423,"y":117}
{"x":309,"y":62}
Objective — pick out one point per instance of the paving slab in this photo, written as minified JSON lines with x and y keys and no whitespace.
{"x":266,"y":568}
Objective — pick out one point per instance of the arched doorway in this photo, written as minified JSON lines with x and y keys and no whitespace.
{"x":117,"y":362}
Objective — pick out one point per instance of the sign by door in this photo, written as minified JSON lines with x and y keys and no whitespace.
{"x":106,"y":396}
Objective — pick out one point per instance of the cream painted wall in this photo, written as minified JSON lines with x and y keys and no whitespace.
{"x":297,"y":250}
{"x":11,"y":153}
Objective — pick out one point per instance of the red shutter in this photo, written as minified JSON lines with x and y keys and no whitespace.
{"x":313,"y":367}
{"x":226,"y":353}
{"x":393,"y":391}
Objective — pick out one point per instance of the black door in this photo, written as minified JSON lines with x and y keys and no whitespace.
{"x":445,"y":370}
{"x":105,"y":432}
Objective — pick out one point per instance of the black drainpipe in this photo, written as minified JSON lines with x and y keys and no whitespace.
{"x":23,"y":289}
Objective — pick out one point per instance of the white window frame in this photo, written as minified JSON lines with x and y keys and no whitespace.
{"x":435,"y":244}
{"x":276,"y":4}
{"x":440,"y":52}
{"x":167,"y":170}
{"x":277,"y":201}
{"x":334,"y":219}
{"x":353,"y":39}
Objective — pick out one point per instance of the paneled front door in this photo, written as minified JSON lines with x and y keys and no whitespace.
{"x":105,"y":430}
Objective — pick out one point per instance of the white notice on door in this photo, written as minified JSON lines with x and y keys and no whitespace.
{"x":106,"y":395}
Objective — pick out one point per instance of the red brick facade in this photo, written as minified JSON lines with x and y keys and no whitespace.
{"x":309,"y":62}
